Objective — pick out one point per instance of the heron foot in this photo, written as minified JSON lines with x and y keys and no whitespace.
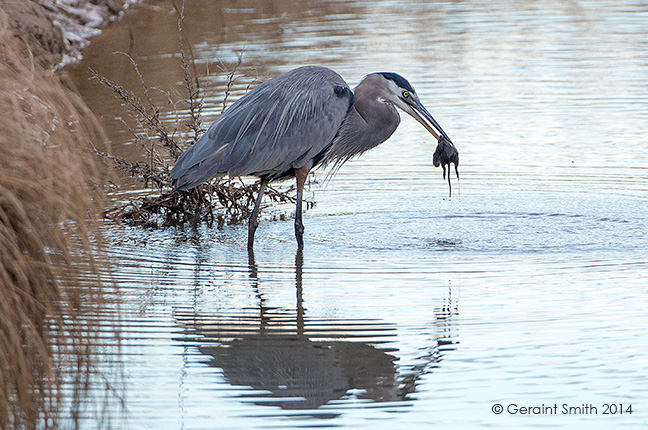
{"x":254,"y":218}
{"x":252,"y":226}
{"x":299,"y":234}
{"x":253,"y":223}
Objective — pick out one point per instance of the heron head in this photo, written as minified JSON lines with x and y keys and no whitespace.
{"x":399,"y":92}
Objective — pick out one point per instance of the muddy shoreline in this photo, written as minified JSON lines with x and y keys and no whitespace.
{"x":56,"y":31}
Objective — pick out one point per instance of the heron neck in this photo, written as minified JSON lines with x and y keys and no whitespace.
{"x":380,"y":117}
{"x":368,"y":124}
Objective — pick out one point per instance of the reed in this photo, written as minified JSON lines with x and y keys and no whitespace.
{"x":50,"y":283}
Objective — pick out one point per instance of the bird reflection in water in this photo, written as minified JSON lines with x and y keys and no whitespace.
{"x":300,"y":363}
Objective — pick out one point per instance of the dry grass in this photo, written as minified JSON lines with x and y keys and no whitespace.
{"x":47,"y":244}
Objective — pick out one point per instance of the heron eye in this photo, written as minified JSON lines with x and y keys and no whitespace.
{"x":406,"y":94}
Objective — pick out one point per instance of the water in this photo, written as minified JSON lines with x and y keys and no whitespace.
{"x":407,"y":309}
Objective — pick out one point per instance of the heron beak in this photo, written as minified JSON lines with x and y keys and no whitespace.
{"x":421,"y":114}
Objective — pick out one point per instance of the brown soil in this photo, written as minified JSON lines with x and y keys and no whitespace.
{"x":57,"y":31}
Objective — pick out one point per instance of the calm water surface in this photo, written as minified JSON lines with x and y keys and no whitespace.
{"x":407,"y":309}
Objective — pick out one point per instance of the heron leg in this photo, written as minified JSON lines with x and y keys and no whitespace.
{"x":254,"y":218}
{"x":300,"y":175}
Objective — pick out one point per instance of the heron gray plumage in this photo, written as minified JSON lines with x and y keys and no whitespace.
{"x":296,"y":121}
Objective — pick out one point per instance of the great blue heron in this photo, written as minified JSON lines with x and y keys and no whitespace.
{"x":296,"y":121}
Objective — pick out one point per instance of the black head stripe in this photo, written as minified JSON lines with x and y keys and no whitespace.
{"x":399,"y":80}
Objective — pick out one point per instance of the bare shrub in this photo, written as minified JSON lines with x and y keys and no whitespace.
{"x":219,"y":201}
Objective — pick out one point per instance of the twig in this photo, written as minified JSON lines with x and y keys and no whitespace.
{"x":141,"y":113}
{"x":230,"y":81}
{"x":192,"y":86}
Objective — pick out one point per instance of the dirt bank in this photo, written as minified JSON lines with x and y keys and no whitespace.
{"x":57,"y":30}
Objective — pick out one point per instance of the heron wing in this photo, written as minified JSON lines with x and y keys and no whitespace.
{"x":282,"y":124}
